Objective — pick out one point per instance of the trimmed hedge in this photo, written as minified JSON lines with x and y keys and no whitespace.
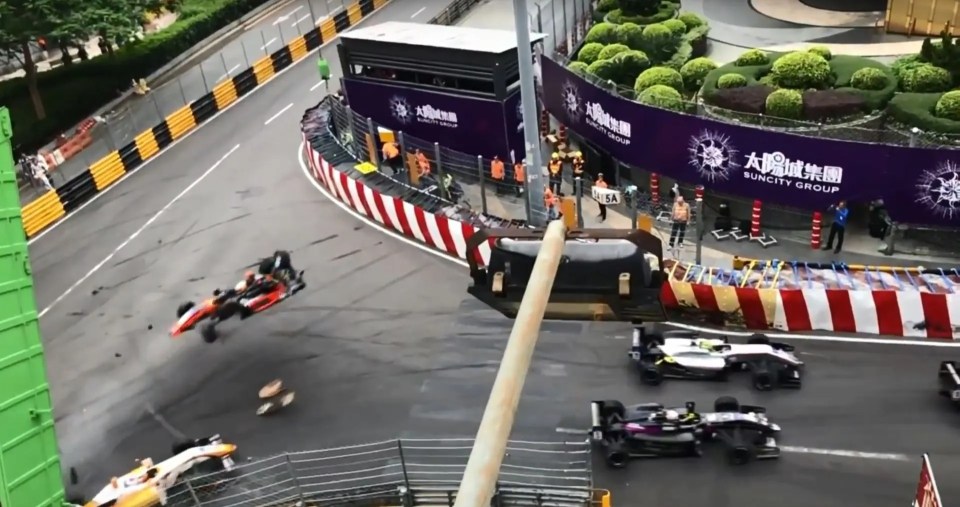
{"x":659,"y":76}
{"x":578,"y":67}
{"x":925,"y":79}
{"x":731,"y":80}
{"x":918,"y":110}
{"x":590,"y":52}
{"x":785,"y":103}
{"x":72,"y":93}
{"x":612,"y":50}
{"x":948,"y":107}
{"x":662,"y":96}
{"x":603,"y":69}
{"x":666,"y":10}
{"x":694,"y":72}
{"x":801,"y":70}
{"x":869,"y":79}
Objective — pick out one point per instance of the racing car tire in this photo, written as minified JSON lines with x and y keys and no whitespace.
{"x":612,"y":408}
{"x":762,"y":377}
{"x":617,"y":455}
{"x":208,"y":332}
{"x":739,"y":455}
{"x":184,"y":308}
{"x":650,"y":375}
{"x":182,"y":445}
{"x":758,"y":339}
{"x":726,"y":404}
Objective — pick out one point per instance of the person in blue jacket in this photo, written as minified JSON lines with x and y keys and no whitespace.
{"x":839,"y":225}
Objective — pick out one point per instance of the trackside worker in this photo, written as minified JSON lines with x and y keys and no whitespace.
{"x":519,"y":175}
{"x":498,"y":173}
{"x":423,"y":164}
{"x":391,"y":155}
{"x":603,"y":207}
{"x":550,"y":201}
{"x":556,"y":172}
{"x":577,"y":162}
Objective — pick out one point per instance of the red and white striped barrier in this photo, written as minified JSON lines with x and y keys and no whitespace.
{"x":883,"y":312}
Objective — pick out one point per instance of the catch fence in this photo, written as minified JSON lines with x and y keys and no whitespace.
{"x":404,"y":472}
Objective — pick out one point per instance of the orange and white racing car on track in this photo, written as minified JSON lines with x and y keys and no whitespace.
{"x":149,"y":484}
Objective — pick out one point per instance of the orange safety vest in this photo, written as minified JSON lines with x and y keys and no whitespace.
{"x":555,"y":166}
{"x":496,"y":170}
{"x":548,"y":198}
{"x":518,"y":173}
{"x":423,"y":163}
{"x":600,"y":183}
{"x":577,"y":166}
{"x":390,"y":150}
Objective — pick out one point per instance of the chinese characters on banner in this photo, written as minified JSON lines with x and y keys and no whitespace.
{"x":918,"y":185}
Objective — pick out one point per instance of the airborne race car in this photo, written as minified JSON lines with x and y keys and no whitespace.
{"x":650,"y":430}
{"x":226,"y":304}
{"x":683,"y":354}
{"x":150,"y":484}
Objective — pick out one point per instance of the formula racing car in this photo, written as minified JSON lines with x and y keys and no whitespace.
{"x":225,"y":304}
{"x":949,"y":381}
{"x":683,"y":354}
{"x":152,"y":484}
{"x":649,"y":430}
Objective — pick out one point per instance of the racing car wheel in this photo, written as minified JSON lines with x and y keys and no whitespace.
{"x":617,"y":455}
{"x":762,"y":376}
{"x":184,"y":308}
{"x":650,"y":374}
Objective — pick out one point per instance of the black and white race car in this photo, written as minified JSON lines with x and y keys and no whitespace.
{"x":684,"y":354}
{"x":949,"y":381}
{"x":649,"y":430}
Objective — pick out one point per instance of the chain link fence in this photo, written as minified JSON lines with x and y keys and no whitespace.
{"x":404,"y":472}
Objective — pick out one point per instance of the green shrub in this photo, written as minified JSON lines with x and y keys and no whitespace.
{"x":677,"y":27}
{"x":612,"y":50}
{"x":661,"y":96}
{"x":666,"y":10}
{"x":917,"y":110}
{"x":692,"y":20}
{"x":694,"y":72}
{"x":603,"y":33}
{"x":578,"y":67}
{"x":784,"y":103}
{"x":925,"y":79}
{"x":869,"y":78}
{"x":680,"y":56}
{"x":603,"y":69}
{"x":630,"y":34}
{"x":607,"y":5}
{"x":657,"y":33}
{"x":630,"y":64}
{"x":659,"y":76}
{"x":731,"y":80}
{"x":948,"y":106}
{"x":659,"y":42}
{"x":801,"y":70}
{"x":821,"y":51}
{"x":845,"y":66}
{"x":590,"y":52}
{"x":905,"y":63}
{"x":752,"y":57}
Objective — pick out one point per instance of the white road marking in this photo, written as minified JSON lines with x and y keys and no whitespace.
{"x":300,"y":20}
{"x":269,"y":42}
{"x":227,"y":74}
{"x":415,"y":14}
{"x":321,"y":20}
{"x":572,"y":431}
{"x":318,"y":85}
{"x":274,"y":117}
{"x":136,"y":233}
{"x":847,"y":454}
{"x":286,"y":16}
{"x":186,"y":136}
{"x":461,"y":262}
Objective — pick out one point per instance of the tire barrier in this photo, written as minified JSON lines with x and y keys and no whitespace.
{"x":53,"y":205}
{"x":694,"y":292}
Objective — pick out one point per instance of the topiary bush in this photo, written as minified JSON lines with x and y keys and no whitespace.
{"x":578,"y":67}
{"x":603,"y":69}
{"x":607,"y":5}
{"x":659,"y":76}
{"x":661,"y":96}
{"x":630,"y":64}
{"x":676,"y":26}
{"x":731,"y":80}
{"x":590,"y":52}
{"x":801,"y":70}
{"x":691,"y":20}
{"x":869,"y":78}
{"x":948,"y":106}
{"x":752,"y":57}
{"x":694,"y":72}
{"x":665,"y":10}
{"x":659,"y":42}
{"x":822,"y":51}
{"x":630,"y":34}
{"x":612,"y":50}
{"x":785,"y":103}
{"x":603,"y":33}
{"x":905,"y":63}
{"x":925,"y":79}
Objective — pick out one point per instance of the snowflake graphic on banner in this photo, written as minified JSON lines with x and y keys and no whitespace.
{"x":939,"y":190}
{"x":571,"y":101}
{"x":401,"y":109}
{"x":712,"y":155}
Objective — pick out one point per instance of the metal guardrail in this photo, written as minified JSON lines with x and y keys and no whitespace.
{"x":399,"y":472}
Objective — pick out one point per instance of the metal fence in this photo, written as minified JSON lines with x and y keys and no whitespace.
{"x":403,"y":472}
{"x":563,"y":20}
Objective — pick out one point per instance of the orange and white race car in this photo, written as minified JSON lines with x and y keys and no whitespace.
{"x":148,"y":484}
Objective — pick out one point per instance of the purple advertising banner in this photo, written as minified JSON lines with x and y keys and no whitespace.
{"x":918,"y":185}
{"x":466,"y":124}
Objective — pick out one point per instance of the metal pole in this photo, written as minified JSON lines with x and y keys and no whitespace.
{"x":313,"y":17}
{"x":528,"y":94}
{"x":351,"y":129}
{"x":226,"y":70}
{"x":699,"y":230}
{"x":483,"y":188}
{"x":403,"y":154}
{"x":633,"y":214}
{"x":436,"y":156}
{"x":480,"y":476}
{"x":578,"y":188}
{"x":293,"y":475}
{"x":203,"y":75}
{"x":375,"y":156}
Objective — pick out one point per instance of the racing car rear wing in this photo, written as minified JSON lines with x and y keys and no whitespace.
{"x":604,"y":274}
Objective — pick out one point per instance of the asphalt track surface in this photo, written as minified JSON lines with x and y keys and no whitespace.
{"x":385,"y":343}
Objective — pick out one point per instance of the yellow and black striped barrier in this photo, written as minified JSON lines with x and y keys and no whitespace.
{"x":103,"y":173}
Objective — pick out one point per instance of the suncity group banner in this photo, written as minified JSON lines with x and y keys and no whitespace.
{"x":471,"y":125}
{"x":920,"y":186}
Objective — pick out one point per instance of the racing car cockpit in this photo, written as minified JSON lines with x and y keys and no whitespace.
{"x":604,"y":274}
